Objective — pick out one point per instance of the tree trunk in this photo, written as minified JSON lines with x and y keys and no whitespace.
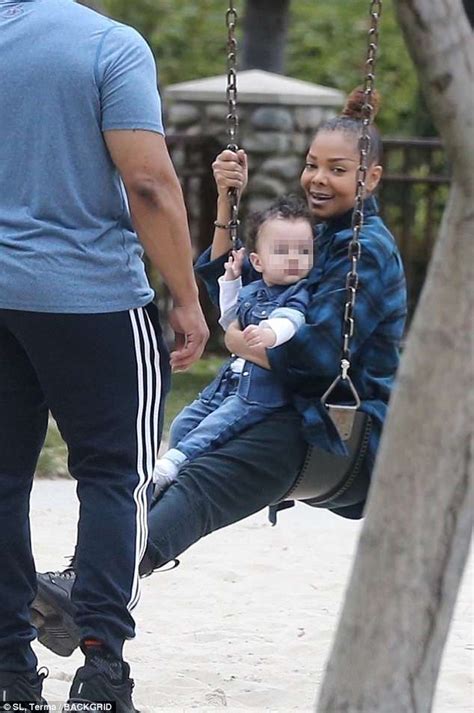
{"x":265,"y":31}
{"x":415,"y":539}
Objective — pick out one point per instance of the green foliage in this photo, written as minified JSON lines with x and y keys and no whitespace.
{"x":185,"y":386}
{"x":187,"y":38}
{"x":326,"y":45}
{"x":53,"y":459}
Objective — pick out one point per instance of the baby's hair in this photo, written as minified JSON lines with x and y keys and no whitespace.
{"x":350,"y":122}
{"x":289,"y":207}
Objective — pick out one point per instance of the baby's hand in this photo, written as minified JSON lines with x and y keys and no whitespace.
{"x":233,"y":266}
{"x":256,"y":336}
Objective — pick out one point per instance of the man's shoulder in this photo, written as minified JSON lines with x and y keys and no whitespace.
{"x":79,"y":19}
{"x":82,"y":15}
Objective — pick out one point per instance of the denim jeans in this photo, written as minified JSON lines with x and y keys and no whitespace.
{"x":241,"y":477}
{"x":204,"y":425}
{"x":244,"y":475}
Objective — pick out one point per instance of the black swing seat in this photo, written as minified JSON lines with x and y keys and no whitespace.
{"x":328,"y":480}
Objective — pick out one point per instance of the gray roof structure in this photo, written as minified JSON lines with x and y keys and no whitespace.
{"x":256,"y":86}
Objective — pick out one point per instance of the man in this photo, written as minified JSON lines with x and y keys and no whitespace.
{"x":79,"y":334}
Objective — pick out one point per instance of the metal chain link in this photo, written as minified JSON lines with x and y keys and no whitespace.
{"x":352,"y":279}
{"x":343,"y":415}
{"x":232,"y":115}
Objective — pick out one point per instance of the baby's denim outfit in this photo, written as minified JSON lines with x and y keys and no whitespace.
{"x":234,"y":401}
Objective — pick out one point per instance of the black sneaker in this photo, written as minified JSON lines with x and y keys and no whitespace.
{"x":91,"y":686}
{"x":147,"y":566}
{"x":52,"y":612}
{"x":24,"y":687}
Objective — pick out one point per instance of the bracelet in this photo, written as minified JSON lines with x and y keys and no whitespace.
{"x":226,"y":226}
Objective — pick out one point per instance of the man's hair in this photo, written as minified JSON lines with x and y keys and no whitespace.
{"x":290,"y":207}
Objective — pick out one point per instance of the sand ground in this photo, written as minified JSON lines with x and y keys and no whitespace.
{"x":247,"y":620}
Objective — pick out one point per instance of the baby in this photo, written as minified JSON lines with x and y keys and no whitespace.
{"x":269,"y":311}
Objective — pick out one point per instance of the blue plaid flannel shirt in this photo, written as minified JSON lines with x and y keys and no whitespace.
{"x":309,"y":362}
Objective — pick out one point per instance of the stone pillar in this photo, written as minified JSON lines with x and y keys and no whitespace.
{"x":278,"y":118}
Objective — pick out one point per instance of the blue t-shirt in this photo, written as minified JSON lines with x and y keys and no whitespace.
{"x":66,"y":239}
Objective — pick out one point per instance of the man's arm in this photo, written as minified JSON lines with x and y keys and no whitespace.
{"x":159,"y":217}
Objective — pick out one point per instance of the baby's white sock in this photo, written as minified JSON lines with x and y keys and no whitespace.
{"x":167,"y":468}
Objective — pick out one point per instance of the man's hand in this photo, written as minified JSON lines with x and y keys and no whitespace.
{"x":257,"y":336}
{"x":233,"y":266}
{"x":191,"y":335}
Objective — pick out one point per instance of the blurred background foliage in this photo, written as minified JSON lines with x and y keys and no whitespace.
{"x":326,"y":45}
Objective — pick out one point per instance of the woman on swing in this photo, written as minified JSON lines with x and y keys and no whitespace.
{"x":260,"y":465}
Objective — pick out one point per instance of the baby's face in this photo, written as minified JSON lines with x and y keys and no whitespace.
{"x":284,"y":250}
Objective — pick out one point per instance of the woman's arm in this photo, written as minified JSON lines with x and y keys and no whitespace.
{"x":236,"y":344}
{"x":314,"y":353}
{"x":230,"y":171}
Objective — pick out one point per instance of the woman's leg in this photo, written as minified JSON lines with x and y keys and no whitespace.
{"x":218,"y":488}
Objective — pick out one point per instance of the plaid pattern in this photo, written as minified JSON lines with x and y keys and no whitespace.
{"x":309,"y":362}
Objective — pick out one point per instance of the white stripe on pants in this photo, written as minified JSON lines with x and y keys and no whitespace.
{"x":149,"y":390}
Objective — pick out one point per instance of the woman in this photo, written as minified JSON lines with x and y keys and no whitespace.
{"x":258,"y":468}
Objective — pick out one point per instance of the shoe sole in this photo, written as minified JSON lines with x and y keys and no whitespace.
{"x":56,"y":629}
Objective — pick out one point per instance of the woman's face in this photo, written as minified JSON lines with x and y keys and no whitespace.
{"x":330,"y":174}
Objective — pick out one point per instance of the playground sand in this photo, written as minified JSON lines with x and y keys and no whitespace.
{"x":246,"y":621}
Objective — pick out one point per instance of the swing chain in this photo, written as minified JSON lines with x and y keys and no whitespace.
{"x":232,"y":115}
{"x":343,"y":416}
{"x":231,"y":92}
{"x":352,"y":279}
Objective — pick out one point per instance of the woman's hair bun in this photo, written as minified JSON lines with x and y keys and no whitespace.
{"x":355,"y":102}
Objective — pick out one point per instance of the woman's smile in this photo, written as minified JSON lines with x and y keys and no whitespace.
{"x":317,"y":198}
{"x":330,"y":174}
